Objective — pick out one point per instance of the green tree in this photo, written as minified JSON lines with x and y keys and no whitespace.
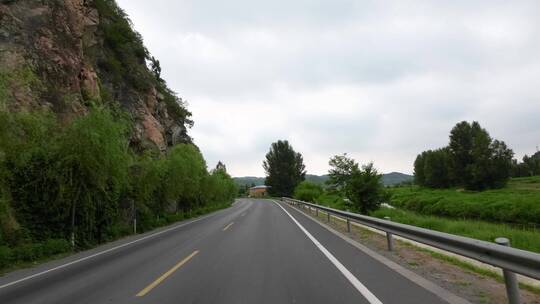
{"x":472,"y":160}
{"x":436,"y":168}
{"x":93,"y":162}
{"x":146,"y":179}
{"x":461,"y":145}
{"x":501,"y":164}
{"x":186,"y":169}
{"x":419,"y":165}
{"x":307,"y":191}
{"x":219,"y":185}
{"x":341,"y":169}
{"x":28,"y":181}
{"x":529,"y":166}
{"x":362,"y":186}
{"x":365,"y":189}
{"x":284,"y":168}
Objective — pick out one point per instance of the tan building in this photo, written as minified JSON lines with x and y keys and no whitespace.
{"x":258,"y":191}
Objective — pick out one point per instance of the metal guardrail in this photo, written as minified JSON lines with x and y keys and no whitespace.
{"x":511,"y":260}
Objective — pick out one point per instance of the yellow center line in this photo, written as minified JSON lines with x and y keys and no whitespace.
{"x":227,"y":227}
{"x":165,"y":275}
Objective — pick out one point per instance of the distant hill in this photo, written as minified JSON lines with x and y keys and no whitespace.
{"x":317,"y":179}
{"x":388,"y":179}
{"x":248,"y":180}
{"x":394,"y":178}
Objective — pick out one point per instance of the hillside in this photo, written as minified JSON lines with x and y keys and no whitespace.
{"x":388,"y":179}
{"x":93,"y":143}
{"x":394,"y":178}
{"x":67,"y":56}
{"x":249,"y":180}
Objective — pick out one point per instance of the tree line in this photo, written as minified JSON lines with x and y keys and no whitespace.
{"x":358,"y":188}
{"x":82,"y":181}
{"x":472,"y":160}
{"x":529,"y":166}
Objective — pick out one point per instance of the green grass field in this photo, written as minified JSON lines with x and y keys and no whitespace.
{"x":518,"y":203}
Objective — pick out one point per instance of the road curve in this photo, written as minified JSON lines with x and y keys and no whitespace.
{"x":257,"y":251}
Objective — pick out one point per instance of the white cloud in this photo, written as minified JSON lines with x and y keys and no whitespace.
{"x":379,"y":80}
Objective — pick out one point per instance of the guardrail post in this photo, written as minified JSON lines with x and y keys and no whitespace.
{"x":389,"y":238}
{"x":510,"y":279}
{"x":328,"y":214}
{"x":348,"y":225}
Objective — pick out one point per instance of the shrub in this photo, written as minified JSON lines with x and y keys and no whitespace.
{"x":55,"y":246}
{"x":6,"y":256}
{"x":307,"y":191}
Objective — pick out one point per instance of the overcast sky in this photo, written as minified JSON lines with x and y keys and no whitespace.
{"x":379,"y":80}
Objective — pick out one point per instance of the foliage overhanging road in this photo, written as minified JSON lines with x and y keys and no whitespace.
{"x":253,"y":252}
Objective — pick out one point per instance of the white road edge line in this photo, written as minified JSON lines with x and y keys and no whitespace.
{"x":354,"y":281}
{"x":102,"y":252}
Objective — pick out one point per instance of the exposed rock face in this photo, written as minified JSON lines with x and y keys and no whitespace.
{"x":63,"y":55}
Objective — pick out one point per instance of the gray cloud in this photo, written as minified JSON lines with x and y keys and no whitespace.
{"x":381,"y":80}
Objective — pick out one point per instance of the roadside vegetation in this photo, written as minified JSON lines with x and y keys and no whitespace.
{"x":349,"y":187}
{"x":526,"y":239}
{"x":463,"y":189}
{"x":81,"y":182}
{"x":472,"y":160}
{"x":518,"y":203}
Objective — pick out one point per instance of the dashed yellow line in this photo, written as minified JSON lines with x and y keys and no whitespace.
{"x":165,"y":275}
{"x":227,"y":227}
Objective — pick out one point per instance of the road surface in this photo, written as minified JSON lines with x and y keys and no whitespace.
{"x":257,"y":251}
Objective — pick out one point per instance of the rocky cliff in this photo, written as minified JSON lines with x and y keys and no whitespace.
{"x":69,"y":55}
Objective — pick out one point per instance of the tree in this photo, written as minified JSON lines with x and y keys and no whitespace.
{"x":284,"y":168}
{"x":221,"y":166}
{"x":436,"y":168}
{"x":307,"y":191}
{"x":365,"y":189}
{"x":529,"y":166}
{"x":186,"y":169}
{"x":341,"y":169}
{"x":472,"y":160}
{"x":93,"y":161}
{"x":478,"y":162}
{"x":155,"y":67}
{"x":461,"y":142}
{"x":501,"y":164}
{"x":419,"y":165}
{"x":219,"y":185}
{"x":362,"y":186}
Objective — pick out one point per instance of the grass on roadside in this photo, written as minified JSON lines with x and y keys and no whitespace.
{"x":518,"y":203}
{"x":476,"y":269}
{"x":519,"y":238}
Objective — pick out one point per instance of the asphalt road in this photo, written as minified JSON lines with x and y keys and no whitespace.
{"x":253,"y":252}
